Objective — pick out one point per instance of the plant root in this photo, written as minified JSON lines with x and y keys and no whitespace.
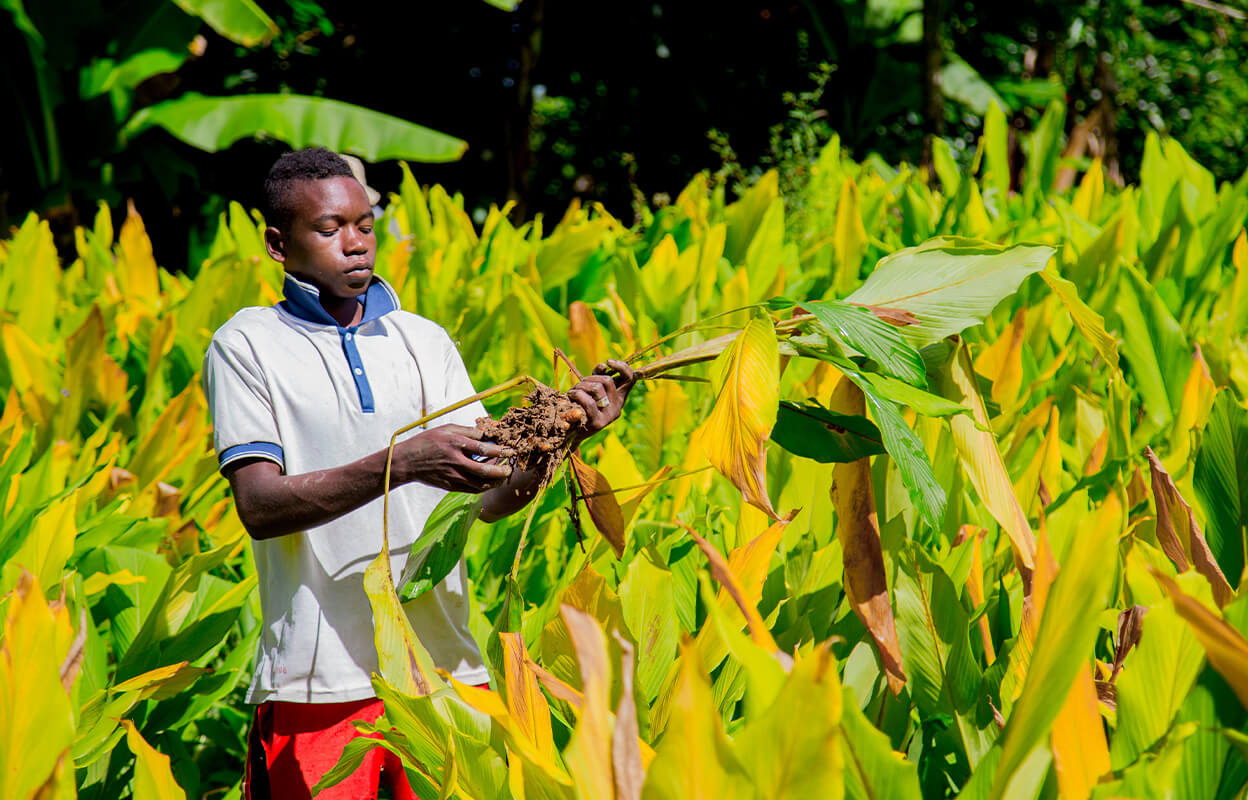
{"x":540,"y":432}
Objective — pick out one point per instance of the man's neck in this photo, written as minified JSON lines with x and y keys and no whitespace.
{"x":345,"y":311}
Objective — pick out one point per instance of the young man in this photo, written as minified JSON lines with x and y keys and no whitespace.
{"x":304,"y":397}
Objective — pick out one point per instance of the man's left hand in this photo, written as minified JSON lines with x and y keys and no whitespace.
{"x":602,"y":394}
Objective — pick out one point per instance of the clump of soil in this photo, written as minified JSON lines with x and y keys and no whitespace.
{"x":538,"y":432}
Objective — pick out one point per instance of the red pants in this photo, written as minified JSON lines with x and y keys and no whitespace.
{"x":292,"y":745}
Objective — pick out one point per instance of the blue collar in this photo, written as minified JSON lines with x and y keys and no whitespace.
{"x":303,"y":300}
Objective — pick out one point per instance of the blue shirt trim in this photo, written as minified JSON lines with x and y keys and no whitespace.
{"x":303,"y":300}
{"x":265,"y":450}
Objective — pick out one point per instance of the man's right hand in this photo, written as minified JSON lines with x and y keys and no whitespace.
{"x":443,"y":457}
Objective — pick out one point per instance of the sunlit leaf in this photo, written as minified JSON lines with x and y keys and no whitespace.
{"x":153,"y":778}
{"x":1068,"y":629}
{"x":35,"y":708}
{"x":950,"y":284}
{"x":982,"y":461}
{"x":745,"y":378}
{"x":1225,"y":647}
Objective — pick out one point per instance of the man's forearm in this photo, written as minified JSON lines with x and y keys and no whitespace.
{"x":271,"y":504}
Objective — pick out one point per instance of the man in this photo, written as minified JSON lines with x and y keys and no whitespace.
{"x":304,"y":397}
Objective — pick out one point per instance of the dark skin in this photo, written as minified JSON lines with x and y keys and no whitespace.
{"x":331,"y":244}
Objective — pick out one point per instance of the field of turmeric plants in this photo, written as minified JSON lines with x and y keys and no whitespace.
{"x":931,"y":489}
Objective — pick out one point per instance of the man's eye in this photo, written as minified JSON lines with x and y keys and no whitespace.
{"x":328,"y":233}
{"x":366,"y":229}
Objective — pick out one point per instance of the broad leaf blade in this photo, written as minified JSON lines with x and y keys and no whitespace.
{"x":811,"y":431}
{"x":858,"y":328}
{"x":949,"y":283}
{"x":745,"y":378}
{"x":215,"y":123}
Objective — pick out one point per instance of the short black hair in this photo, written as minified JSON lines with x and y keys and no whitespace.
{"x":312,"y":164}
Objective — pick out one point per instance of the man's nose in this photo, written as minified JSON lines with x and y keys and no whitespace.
{"x":354,"y":241}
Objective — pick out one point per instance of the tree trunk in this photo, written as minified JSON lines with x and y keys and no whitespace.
{"x":519,"y":124}
{"x":933,"y":99}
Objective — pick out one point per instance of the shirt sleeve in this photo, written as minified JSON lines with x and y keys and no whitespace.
{"x":244,"y":425}
{"x":457,"y":386}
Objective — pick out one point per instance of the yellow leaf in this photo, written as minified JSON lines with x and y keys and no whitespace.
{"x":1089,"y":323}
{"x":585,"y":337}
{"x":734,"y":295}
{"x":666,"y":408}
{"x":153,"y":779}
{"x":981,"y":459}
{"x":588,"y":754}
{"x":693,"y":200}
{"x":136,"y":267}
{"x":1087,"y":200}
{"x":694,"y":759}
{"x":710,"y":250}
{"x":657,"y":275}
{"x":1031,"y":421}
{"x":616,"y":463}
{"x":36,"y":714}
{"x":695,"y":462}
{"x":1080,"y":753}
{"x":1193,"y":413}
{"x":50,"y":542}
{"x":631,"y":501}
{"x":1179,"y":533}
{"x":746,"y":601}
{"x":32,"y":369}
{"x":745,"y":378}
{"x":402,"y":660}
{"x":975,"y":590}
{"x":1226,"y":647}
{"x":1002,"y":363}
{"x":525,"y":702}
{"x":851,"y":238}
{"x":1040,"y":482}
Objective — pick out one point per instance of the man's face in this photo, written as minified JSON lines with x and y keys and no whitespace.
{"x":330,"y":243}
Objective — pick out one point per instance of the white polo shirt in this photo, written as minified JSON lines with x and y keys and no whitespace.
{"x":288,"y":384}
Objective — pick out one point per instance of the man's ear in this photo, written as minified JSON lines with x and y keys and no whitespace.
{"x":275,"y":243}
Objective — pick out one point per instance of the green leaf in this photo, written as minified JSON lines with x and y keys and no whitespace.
{"x":925,"y":403}
{"x":215,"y":123}
{"x":858,"y":328}
{"x":1156,"y":350}
{"x":959,"y":81}
{"x":786,"y":758}
{"x":647,"y":598}
{"x":440,"y":545}
{"x":1157,"y":674}
{"x":812,"y":431}
{"x":949,"y":283}
{"x":1064,"y":644}
{"x":907,"y":451}
{"x":1221,"y":482}
{"x":240,"y":21}
{"x":933,"y":629}
{"x":874,"y":771}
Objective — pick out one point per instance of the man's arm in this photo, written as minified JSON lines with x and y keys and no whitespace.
{"x":271,"y":504}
